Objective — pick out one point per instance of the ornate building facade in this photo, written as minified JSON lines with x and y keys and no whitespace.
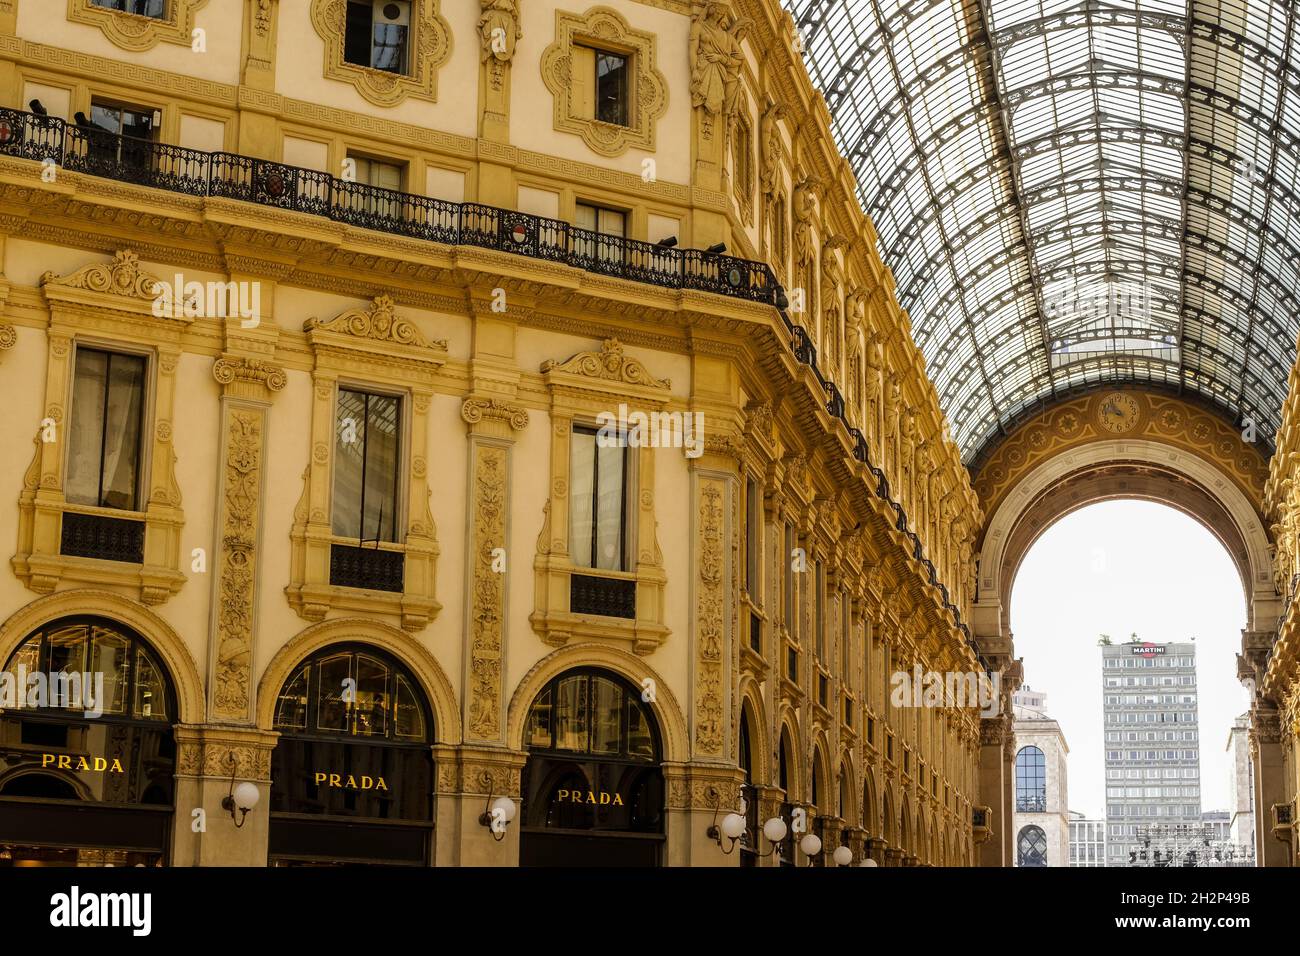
{"x":415,"y":404}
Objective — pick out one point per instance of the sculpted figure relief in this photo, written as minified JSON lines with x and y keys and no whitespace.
{"x":770,"y":144}
{"x":716,"y":57}
{"x":498,"y":26}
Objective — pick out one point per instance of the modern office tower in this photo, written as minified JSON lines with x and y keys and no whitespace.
{"x":1087,"y":840}
{"x":1153,"y":767}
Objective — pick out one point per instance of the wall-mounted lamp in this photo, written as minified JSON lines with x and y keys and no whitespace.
{"x":811,"y":845}
{"x":717,"y":248}
{"x":842,"y":856}
{"x":667,"y":242}
{"x":497,"y":814}
{"x":733,"y":824}
{"x":775,"y":830}
{"x":240,"y":799}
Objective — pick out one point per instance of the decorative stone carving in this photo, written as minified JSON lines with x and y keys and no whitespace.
{"x":237,"y":569}
{"x":710,"y":626}
{"x":123,"y":276}
{"x":475,"y":410}
{"x":770,"y":144}
{"x":379,"y":322}
{"x":716,"y":59}
{"x":609,"y":364}
{"x":487,"y":591}
{"x":230,"y":369}
{"x":498,"y":27}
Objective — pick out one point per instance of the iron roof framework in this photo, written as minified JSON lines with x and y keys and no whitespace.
{"x":1076,"y":193}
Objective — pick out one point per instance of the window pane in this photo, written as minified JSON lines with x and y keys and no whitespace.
{"x":122,"y":431}
{"x":349,"y":457}
{"x":291,"y":708}
{"x":611,"y":88}
{"x":571,"y":714}
{"x":585,"y":217}
{"x":538,"y":733}
{"x":357,"y":33}
{"x":389,"y":51}
{"x":371,"y":697}
{"x":606,"y":718}
{"x":381,"y":441}
{"x":86,"y":432}
{"x":582,"y":476}
{"x":110,"y":656}
{"x":611,"y":222}
{"x":640,"y":741}
{"x":67,"y":650}
{"x":609,"y":508}
{"x":408,"y":715}
{"x":150,"y":692}
{"x":332,"y":712}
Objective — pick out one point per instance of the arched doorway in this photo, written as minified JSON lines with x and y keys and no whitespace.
{"x":749,"y":793}
{"x":87,"y":753}
{"x":352,"y":773}
{"x":593,"y":787}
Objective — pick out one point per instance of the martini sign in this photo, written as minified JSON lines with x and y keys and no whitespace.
{"x":1147,"y":650}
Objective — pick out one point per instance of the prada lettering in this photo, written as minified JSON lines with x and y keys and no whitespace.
{"x":94,"y":764}
{"x":600,"y":798}
{"x":347,"y":781}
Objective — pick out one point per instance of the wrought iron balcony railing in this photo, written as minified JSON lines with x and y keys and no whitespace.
{"x":97,"y":152}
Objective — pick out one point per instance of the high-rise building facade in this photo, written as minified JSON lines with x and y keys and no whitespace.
{"x":1087,"y":840}
{"x":1153,"y":768}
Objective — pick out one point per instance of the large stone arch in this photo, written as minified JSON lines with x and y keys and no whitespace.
{"x":346,"y":630}
{"x":1103,"y":470}
{"x":160,"y":635}
{"x":664,"y":706}
{"x":847,"y":781}
{"x":1172,"y":451}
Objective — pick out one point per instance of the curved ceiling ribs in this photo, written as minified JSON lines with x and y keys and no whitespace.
{"x":1077,"y":193}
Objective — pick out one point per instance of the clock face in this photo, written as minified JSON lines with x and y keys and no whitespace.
{"x":1117,"y":412}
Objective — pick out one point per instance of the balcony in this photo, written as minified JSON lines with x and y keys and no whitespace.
{"x":94,"y":151}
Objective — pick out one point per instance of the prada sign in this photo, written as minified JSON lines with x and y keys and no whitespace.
{"x":597,"y":797}
{"x":347,"y":781}
{"x":93,"y":764}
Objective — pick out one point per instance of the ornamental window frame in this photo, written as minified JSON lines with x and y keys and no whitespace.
{"x":370,"y":349}
{"x":428,"y":50}
{"x":580,"y":388}
{"x":137,"y":32}
{"x":107,"y":306}
{"x":604,"y":30}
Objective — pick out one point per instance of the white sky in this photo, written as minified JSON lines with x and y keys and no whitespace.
{"x":1114,"y":568}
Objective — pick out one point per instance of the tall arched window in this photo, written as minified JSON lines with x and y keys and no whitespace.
{"x":1031,"y":781}
{"x":593,"y":791}
{"x":352,"y":773}
{"x":1031,"y":847}
{"x":86,"y":748}
{"x":748,"y":843}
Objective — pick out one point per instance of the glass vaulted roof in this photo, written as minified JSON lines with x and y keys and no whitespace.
{"x":1073,"y":193}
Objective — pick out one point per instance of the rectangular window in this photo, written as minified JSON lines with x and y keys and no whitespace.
{"x":787,"y":572}
{"x":599,"y":223}
{"x":819,"y":624}
{"x":377,"y":172}
{"x":377,"y":34}
{"x":598,"y":482}
{"x":104,"y":439}
{"x":611,"y":85}
{"x":108,"y":121}
{"x":792,"y":664}
{"x":141,"y":8}
{"x":366,"y":465}
{"x":753,"y":539}
{"x":845,"y":617}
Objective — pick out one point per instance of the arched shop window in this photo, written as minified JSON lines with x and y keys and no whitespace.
{"x":1031,"y":847}
{"x":593,"y":790}
{"x":352,"y":773}
{"x":748,"y":843}
{"x":87,"y":754}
